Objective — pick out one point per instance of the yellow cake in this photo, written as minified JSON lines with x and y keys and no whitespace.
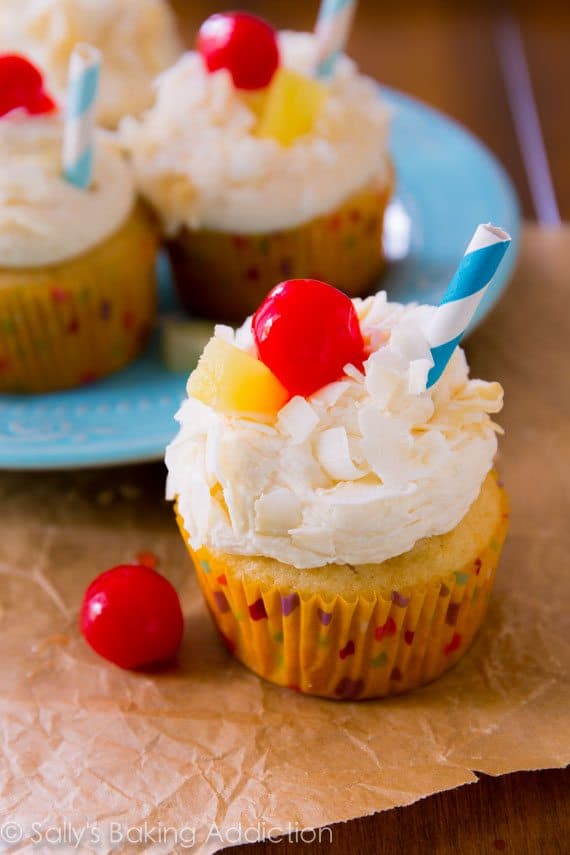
{"x":256,"y":187}
{"x":346,"y":541}
{"x":399,"y":624}
{"x":77,"y":267}
{"x":71,"y":323}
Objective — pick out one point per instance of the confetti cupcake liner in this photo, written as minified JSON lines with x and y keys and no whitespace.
{"x":365,"y":648}
{"x":74,"y":322}
{"x":226,"y":276}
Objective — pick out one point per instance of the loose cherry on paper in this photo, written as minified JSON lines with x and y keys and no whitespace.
{"x":22,"y":87}
{"x":131,"y":615}
{"x":306,"y":332}
{"x":244,"y":44}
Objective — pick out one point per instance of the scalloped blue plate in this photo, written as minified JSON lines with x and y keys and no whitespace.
{"x":447,"y":183}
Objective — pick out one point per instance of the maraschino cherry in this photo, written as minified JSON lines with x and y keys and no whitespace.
{"x":244,"y":44}
{"x":306,"y":332}
{"x":22,"y":87}
{"x":131,"y":615}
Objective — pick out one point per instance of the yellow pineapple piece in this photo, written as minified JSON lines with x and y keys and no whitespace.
{"x":231,"y":381}
{"x":292,"y":106}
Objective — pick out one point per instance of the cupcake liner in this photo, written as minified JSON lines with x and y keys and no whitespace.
{"x":366,"y":648}
{"x":224,"y":275}
{"x":74,"y":322}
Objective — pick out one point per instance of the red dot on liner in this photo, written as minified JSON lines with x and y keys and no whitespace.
{"x":222,"y":580}
{"x":228,"y":643}
{"x":409,"y":636}
{"x":453,"y":645}
{"x":347,"y":650}
{"x":240,"y":242}
{"x":257,"y":610}
{"x":128,"y":319}
{"x":88,"y":377}
{"x":387,"y":629}
{"x":58,"y":295}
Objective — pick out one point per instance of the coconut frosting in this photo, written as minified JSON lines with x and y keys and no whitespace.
{"x":137,"y":39}
{"x":356,"y":473}
{"x":44,"y":219}
{"x":199,"y":163}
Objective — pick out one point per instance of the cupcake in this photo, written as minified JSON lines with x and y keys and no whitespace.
{"x":77,"y":284}
{"x":137,"y":39}
{"x":344,"y":521}
{"x":258,"y":171}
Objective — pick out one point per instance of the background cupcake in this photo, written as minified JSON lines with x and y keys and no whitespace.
{"x":137,"y":39}
{"x":340,"y":511}
{"x":77,"y":286}
{"x":259,"y":171}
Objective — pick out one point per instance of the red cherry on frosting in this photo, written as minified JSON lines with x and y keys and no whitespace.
{"x":131,"y":615}
{"x":21,"y":87}
{"x":306,"y":332}
{"x":244,"y":44}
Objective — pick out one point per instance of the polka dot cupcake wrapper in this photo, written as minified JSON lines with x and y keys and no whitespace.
{"x":70,"y":324}
{"x":343,"y":248}
{"x":351,"y":650}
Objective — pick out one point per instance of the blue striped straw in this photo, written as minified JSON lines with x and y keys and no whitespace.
{"x":79,"y":131}
{"x":332,"y":30}
{"x":466,"y":290}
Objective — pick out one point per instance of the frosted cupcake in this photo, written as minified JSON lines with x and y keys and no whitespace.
{"x":137,"y":39}
{"x":77,"y":286}
{"x":344,"y":520}
{"x":258,"y":171}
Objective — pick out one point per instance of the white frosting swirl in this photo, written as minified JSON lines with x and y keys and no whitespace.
{"x":138,"y":40}
{"x":200,"y":164}
{"x":358,"y":472}
{"x":43,"y":218}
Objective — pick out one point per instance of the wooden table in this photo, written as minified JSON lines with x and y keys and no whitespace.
{"x":498,"y":68}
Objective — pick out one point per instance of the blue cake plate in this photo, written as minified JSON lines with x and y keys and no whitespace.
{"x":448,"y":182}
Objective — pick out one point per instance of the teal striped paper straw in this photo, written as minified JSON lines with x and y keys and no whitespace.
{"x":466,"y":290}
{"x":79,"y":131}
{"x":332,"y":30}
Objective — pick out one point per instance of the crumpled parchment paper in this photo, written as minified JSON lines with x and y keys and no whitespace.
{"x":203,"y":754}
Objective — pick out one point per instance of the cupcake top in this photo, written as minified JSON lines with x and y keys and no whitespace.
{"x":272,"y":460}
{"x":44,"y":219}
{"x":137,"y":39}
{"x":210,"y":155}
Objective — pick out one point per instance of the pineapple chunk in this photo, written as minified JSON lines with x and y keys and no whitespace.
{"x":292,"y":106}
{"x":231,"y":381}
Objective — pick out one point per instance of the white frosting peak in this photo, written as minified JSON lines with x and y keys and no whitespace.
{"x":43,"y":218}
{"x":200,"y":164}
{"x":356,"y":473}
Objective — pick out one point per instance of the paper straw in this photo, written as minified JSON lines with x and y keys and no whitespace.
{"x":332,"y":30}
{"x":79,"y":131}
{"x":466,"y":290}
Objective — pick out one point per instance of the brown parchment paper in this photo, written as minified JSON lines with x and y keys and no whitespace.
{"x":206,"y":748}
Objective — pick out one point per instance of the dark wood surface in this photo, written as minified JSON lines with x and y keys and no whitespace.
{"x":472,"y":60}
